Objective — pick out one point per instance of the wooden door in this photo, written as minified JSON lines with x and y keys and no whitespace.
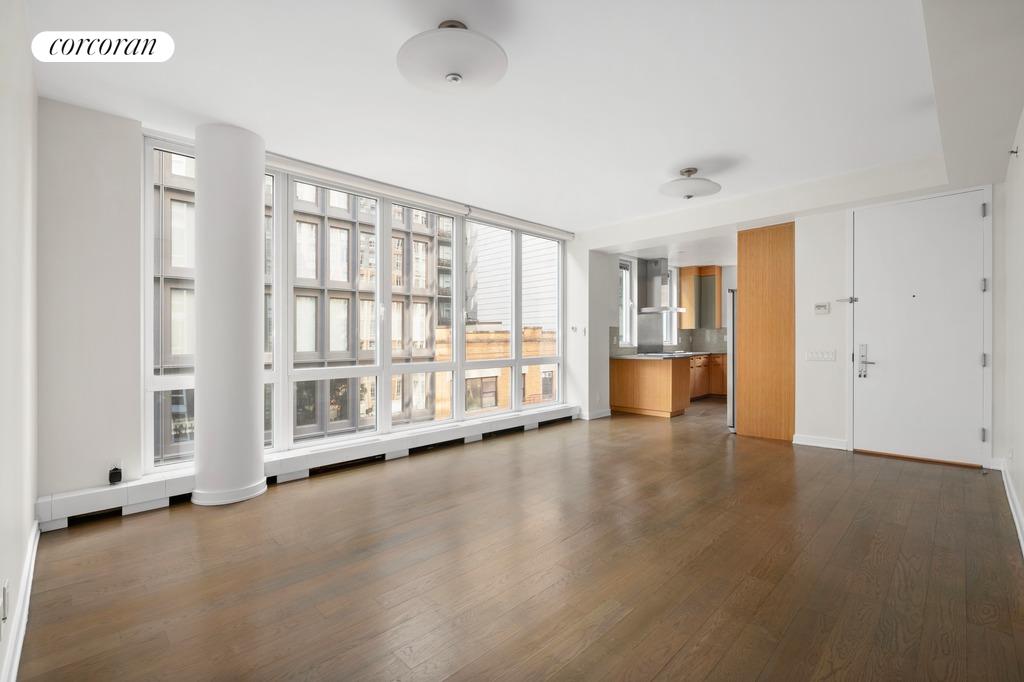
{"x":765,"y":387}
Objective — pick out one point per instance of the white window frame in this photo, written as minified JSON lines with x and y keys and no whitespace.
{"x":629,"y":339}
{"x":283,"y":374}
{"x":670,"y":321}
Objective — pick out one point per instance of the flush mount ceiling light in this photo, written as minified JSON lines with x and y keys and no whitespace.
{"x":689,"y":187}
{"x":452,"y":58}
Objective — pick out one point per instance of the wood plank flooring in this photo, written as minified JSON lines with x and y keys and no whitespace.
{"x":630,"y":548}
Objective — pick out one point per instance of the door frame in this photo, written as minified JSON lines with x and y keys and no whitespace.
{"x":986,"y":390}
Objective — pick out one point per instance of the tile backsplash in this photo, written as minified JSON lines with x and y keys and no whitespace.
{"x":709,"y":340}
{"x":703,"y":340}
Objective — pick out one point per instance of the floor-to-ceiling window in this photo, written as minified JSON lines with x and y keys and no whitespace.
{"x":333,"y":281}
{"x":171,"y":250}
{"x":422,"y":361}
{"x":487,"y":310}
{"x":540,"y":261}
{"x":171,"y":201}
{"x":380,"y":314}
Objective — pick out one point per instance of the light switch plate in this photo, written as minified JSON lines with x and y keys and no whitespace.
{"x":822,"y":308}
{"x":821,"y":356}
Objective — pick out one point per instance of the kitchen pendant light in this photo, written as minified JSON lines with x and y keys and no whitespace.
{"x":452,"y":58}
{"x":687,"y":186}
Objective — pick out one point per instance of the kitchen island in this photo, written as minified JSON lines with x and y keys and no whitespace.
{"x":663,"y":384}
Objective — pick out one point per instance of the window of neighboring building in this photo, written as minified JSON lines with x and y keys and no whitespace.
{"x":398,"y":262}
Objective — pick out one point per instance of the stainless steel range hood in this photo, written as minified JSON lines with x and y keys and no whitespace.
{"x":656,"y":287}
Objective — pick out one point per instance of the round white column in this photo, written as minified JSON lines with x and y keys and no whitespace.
{"x":230,"y":166}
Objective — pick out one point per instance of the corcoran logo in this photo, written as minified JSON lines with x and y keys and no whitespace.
{"x":102,"y":46}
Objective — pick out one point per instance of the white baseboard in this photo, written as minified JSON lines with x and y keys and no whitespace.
{"x":598,"y":414}
{"x":821,"y":442}
{"x":19,"y":618}
{"x":53,"y":510}
{"x":1011,"y":497}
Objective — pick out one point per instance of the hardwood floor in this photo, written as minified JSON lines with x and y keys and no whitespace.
{"x":627,"y":548}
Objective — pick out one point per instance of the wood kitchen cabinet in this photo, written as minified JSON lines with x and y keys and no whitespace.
{"x":707,"y":375}
{"x":717,"y":383}
{"x":699,"y":383}
{"x":655,"y":387}
{"x":700,"y":293}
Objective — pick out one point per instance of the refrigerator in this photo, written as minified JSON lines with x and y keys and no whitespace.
{"x":729,"y":314}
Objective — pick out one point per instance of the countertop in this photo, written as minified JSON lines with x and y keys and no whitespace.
{"x":664,"y":356}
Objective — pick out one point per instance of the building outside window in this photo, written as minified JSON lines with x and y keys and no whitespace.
{"x":398,"y":262}
{"x":397,"y":326}
{"x":339,"y":320}
{"x":419,"y":264}
{"x":367,"y":324}
{"x":305,"y":193}
{"x":420,"y":219}
{"x":481,"y":393}
{"x":339,"y":264}
{"x":337,"y":199}
{"x":419,"y":325}
{"x":367,"y":260}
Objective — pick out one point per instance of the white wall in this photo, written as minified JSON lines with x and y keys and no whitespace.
{"x":604,"y":311}
{"x":1008,"y":424}
{"x":592,"y":308}
{"x":17,"y":329}
{"x":90,"y":289}
{"x":821,"y":262}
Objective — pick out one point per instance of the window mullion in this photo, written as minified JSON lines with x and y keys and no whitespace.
{"x":284,"y":332}
{"x":562,"y":294}
{"x":384,"y":315}
{"x":458,"y":315}
{"x":517,"y":321}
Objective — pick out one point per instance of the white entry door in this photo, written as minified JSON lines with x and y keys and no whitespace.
{"x":919,"y":328}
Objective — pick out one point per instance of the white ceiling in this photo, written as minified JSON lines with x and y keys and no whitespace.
{"x":603,"y":100}
{"x":695,"y":248}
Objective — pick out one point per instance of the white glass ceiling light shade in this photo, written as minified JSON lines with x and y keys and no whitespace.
{"x":689,"y":187}
{"x":452,"y":58}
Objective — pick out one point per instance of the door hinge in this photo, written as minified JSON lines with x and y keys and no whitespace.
{"x":984,"y":434}
{"x":984,"y":209}
{"x":984,"y":359}
{"x":984,"y":283}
